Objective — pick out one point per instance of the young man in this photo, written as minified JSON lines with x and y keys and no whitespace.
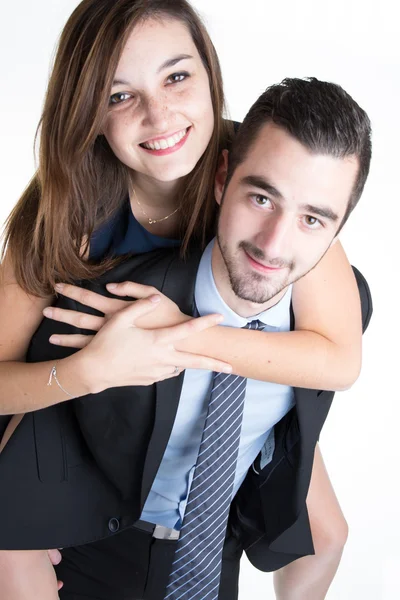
{"x":296,"y":171}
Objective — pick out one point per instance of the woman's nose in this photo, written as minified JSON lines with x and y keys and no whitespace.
{"x":156,"y":115}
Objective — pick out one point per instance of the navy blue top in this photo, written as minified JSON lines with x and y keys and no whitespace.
{"x":123,"y":234}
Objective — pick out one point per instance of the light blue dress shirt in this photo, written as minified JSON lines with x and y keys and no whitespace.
{"x":265,"y":404}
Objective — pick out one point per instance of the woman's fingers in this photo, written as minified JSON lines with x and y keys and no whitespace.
{"x":73,"y":340}
{"x":122,"y":353}
{"x":172,"y":374}
{"x":75,"y":318}
{"x":195,"y":325}
{"x":185,"y":360}
{"x":131,"y":289}
{"x":165,"y":336}
{"x":128,"y":315}
{"x":88,"y":298}
{"x":125,"y":317}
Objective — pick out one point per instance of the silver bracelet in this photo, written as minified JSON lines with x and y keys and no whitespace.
{"x":53,"y":374}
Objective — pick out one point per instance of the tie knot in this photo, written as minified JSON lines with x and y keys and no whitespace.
{"x":256,"y":324}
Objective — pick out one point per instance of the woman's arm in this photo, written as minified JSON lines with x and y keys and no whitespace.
{"x":325,"y":350}
{"x":23,"y":386}
{"x":323,"y":353}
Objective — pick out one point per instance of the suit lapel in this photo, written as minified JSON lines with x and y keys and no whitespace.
{"x":167,"y":399}
{"x":179,"y":283}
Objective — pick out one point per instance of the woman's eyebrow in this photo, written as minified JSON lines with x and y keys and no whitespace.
{"x":171,"y":62}
{"x":120,"y":82}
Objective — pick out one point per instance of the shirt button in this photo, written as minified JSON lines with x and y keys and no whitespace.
{"x":113,"y":525}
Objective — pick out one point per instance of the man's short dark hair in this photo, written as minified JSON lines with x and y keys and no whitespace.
{"x":320,"y":115}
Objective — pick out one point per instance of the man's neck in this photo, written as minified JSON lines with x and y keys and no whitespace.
{"x":243,"y":308}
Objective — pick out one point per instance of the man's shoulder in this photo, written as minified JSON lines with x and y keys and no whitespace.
{"x":157,"y":261}
{"x":166,"y":269}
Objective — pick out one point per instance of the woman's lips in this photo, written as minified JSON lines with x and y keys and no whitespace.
{"x":163,"y":151}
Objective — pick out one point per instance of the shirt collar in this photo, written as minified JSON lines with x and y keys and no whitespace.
{"x":208,"y":299}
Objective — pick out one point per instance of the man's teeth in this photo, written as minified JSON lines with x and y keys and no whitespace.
{"x":165,"y":143}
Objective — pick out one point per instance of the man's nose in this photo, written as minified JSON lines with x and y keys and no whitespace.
{"x":275,"y":236}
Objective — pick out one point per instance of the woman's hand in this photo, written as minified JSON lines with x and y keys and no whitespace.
{"x":122,"y":354}
{"x":167,"y":313}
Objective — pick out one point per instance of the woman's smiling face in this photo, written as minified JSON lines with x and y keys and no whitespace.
{"x":160,"y":117}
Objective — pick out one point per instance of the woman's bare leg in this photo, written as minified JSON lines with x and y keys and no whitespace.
{"x":309,"y":578}
{"x":27,"y":575}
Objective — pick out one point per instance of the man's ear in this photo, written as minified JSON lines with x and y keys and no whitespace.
{"x":220,"y":176}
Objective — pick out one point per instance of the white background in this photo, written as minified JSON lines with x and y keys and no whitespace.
{"x":354,"y":43}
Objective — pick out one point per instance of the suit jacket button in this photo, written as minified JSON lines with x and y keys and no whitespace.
{"x":113,"y":525}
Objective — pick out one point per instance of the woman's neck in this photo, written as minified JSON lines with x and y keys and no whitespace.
{"x":155,"y":204}
{"x":153,"y":194}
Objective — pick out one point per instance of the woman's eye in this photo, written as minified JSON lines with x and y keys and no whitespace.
{"x":261,"y":200}
{"x":177,"y":77}
{"x":120,"y":97}
{"x":312,"y":222}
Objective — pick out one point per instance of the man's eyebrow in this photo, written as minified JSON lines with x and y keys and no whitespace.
{"x":260,"y":182}
{"x":321,"y":211}
{"x":171,"y":62}
{"x":263,"y":184}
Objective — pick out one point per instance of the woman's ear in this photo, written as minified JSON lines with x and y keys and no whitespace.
{"x":220,"y":176}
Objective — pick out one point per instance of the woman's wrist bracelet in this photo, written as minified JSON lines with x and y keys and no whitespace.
{"x":53,"y":375}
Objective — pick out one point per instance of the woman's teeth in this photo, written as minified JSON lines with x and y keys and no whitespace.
{"x":165,"y":143}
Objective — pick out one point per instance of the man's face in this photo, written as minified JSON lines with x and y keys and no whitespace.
{"x":279,"y":214}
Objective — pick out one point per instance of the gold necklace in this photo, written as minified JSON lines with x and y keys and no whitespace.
{"x":149,"y":219}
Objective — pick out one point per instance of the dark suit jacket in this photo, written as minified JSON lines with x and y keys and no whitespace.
{"x":81,"y":470}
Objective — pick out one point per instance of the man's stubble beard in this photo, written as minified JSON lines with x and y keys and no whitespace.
{"x":254,"y":287}
{"x":243,"y":288}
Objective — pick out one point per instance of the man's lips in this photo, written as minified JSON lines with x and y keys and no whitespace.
{"x":260,"y":267}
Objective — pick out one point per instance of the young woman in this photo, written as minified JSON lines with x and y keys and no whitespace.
{"x":131,"y":133}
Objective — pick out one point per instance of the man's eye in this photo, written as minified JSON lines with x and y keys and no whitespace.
{"x":177,"y":77}
{"x":312,"y":222}
{"x":261,"y":200}
{"x":119,"y":97}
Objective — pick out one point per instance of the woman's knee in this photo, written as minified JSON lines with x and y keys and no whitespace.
{"x":330,"y":537}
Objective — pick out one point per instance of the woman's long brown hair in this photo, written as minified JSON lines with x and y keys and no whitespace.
{"x":80,"y":183}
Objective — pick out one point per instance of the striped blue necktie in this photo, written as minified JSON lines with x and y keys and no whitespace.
{"x":196,"y":568}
